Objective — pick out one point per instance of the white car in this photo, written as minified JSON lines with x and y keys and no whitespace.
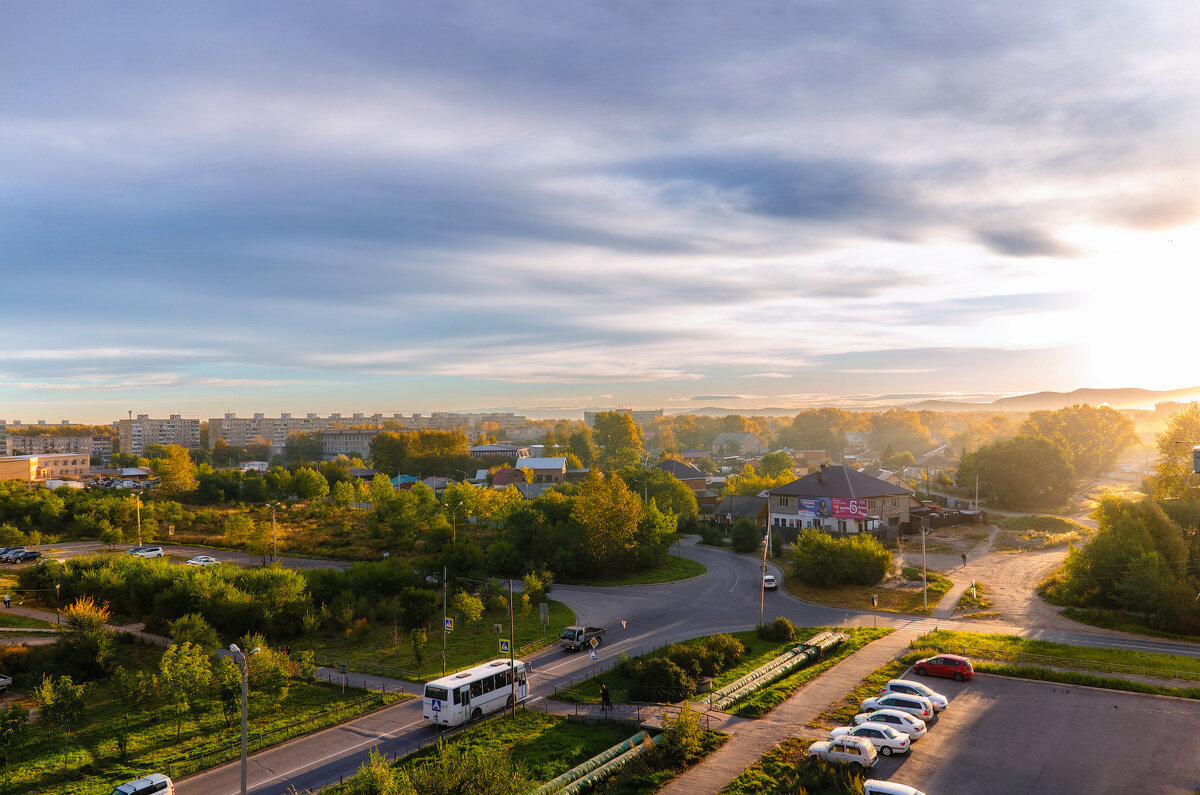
{"x":910,"y":688}
{"x":900,"y":721}
{"x":769,"y":583}
{"x":847,"y":751}
{"x":917,"y":706}
{"x":875,"y":787}
{"x":886,"y":739}
{"x":147,"y":552}
{"x":203,"y":560}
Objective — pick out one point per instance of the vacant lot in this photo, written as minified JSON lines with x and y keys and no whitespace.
{"x":1003,"y":736}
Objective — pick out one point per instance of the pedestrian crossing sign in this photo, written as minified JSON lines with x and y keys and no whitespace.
{"x":449,"y":624}
{"x":504,"y":647}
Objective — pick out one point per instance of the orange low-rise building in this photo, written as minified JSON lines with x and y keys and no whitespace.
{"x":46,"y":466}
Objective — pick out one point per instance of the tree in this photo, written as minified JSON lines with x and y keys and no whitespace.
{"x":608,"y":514}
{"x":581,"y":444}
{"x":61,"y":704}
{"x":470,"y":608}
{"x":193,"y":628}
{"x":1092,"y":438}
{"x":87,"y":644}
{"x":133,"y":691}
{"x":418,"y":638}
{"x":900,"y":428}
{"x":308,"y":484}
{"x":746,"y":536}
{"x":663,"y":488}
{"x":1173,"y":478}
{"x":619,"y":438}
{"x":185,"y":674}
{"x":176,"y":472}
{"x":749,"y":483}
{"x":1022,"y":472}
{"x":683,"y":738}
{"x":227,"y":684}
{"x":778,"y":464}
{"x":111,"y":536}
{"x":14,"y":728}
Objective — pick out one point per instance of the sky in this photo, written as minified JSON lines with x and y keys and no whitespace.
{"x":401,"y":206}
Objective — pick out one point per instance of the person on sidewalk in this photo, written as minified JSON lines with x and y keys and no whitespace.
{"x":964,"y":557}
{"x":7,"y":600}
{"x":605,"y":699}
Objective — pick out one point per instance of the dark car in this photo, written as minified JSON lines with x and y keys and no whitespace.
{"x":9,"y":555}
{"x":949,"y":665}
{"x":28,"y":555}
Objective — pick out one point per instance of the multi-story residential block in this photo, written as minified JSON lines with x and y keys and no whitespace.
{"x":354,"y":442}
{"x":37,"y":445}
{"x":501,"y":449}
{"x":48,"y":466}
{"x":739,"y":444}
{"x":135,"y":434}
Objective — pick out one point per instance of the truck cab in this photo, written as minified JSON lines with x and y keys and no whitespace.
{"x":576,"y":637}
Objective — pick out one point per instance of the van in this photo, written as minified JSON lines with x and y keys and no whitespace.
{"x":846,"y":750}
{"x":153,"y":784}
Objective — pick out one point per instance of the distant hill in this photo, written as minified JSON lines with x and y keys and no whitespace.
{"x":1129,"y":398}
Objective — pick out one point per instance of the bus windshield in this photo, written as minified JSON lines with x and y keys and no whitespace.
{"x":439,"y":693}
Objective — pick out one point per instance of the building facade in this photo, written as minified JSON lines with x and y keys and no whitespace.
{"x":840,"y":499}
{"x":134,"y":435}
{"x":48,"y":466}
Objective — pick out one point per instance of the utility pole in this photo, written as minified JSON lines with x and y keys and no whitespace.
{"x":924,"y":572}
{"x":762,"y":585}
{"x":137,"y":502}
{"x":512,"y":650}
{"x":241,"y":659}
{"x":274,"y":539}
{"x":443,"y":620}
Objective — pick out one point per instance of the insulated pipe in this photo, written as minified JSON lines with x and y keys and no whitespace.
{"x":582,"y":769}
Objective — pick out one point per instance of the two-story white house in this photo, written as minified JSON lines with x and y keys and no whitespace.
{"x":840,"y":499}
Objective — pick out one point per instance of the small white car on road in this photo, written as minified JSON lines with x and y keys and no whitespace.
{"x":769,"y":583}
{"x":846,"y":751}
{"x":203,"y":560}
{"x":910,"y":688}
{"x":885,"y":738}
{"x":900,"y":721}
{"x":917,"y":706}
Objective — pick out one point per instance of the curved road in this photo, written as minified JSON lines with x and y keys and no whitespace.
{"x":638,"y":618}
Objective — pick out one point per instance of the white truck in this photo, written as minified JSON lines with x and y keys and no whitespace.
{"x":576,"y":638}
{"x":5,"y":681}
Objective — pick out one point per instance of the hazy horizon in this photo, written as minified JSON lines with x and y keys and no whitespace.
{"x":379,"y":206}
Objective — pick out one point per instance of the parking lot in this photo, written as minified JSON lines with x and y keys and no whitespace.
{"x":1003,"y":735}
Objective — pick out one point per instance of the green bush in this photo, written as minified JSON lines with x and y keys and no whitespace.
{"x":712,"y":535}
{"x":746,"y":536}
{"x":821,"y":559}
{"x":779,"y":631}
{"x":659,"y":679}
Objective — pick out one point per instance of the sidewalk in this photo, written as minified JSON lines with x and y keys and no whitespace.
{"x":136,"y":630}
{"x":750,"y":740}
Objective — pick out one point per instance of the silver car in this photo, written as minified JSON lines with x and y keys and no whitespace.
{"x":900,"y":721}
{"x":917,"y":706}
{"x":910,"y":688}
{"x":885,"y":738}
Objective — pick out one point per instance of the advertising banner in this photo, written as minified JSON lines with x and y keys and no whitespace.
{"x":850,"y":509}
{"x":818,"y":506}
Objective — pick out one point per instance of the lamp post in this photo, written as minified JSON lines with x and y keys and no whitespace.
{"x":454,"y":522}
{"x":240,"y":658}
{"x":274,"y":540}
{"x":924,"y":573}
{"x":57,"y":611}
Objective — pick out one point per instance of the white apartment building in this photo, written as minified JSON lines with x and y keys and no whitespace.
{"x":135,"y":434}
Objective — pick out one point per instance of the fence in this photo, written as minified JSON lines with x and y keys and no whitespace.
{"x":257,"y":741}
{"x":408,"y":674}
{"x":992,"y":654}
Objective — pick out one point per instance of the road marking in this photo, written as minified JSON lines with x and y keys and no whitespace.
{"x":344,"y":751}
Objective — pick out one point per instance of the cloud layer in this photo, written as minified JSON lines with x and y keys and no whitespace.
{"x":403,"y":206}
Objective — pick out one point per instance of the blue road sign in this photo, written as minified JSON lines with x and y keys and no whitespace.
{"x":593,"y":653}
{"x":504,"y":647}
{"x":449,"y":624}
{"x":437,"y":706}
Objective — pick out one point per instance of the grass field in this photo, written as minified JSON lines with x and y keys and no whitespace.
{"x":675,"y":569}
{"x":1042,"y":531}
{"x":890,"y":600}
{"x":389,"y":652}
{"x":22,"y":622}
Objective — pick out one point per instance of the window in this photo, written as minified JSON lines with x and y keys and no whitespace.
{"x":489,"y":684}
{"x":785,"y":502}
{"x":477,"y":688}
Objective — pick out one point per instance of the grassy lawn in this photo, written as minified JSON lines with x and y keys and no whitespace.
{"x":380,"y":650}
{"x":843,"y":712}
{"x":1043,"y":531}
{"x":92,"y":761}
{"x":1023,"y":652}
{"x":758,"y":653}
{"x":974,"y":603}
{"x":675,"y":569}
{"x":784,"y":770}
{"x":891,"y":600}
{"x":22,"y":622}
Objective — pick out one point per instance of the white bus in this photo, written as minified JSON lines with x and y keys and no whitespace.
{"x":473,"y":693}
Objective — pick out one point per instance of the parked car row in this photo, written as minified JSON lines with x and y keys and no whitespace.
{"x":892,"y":721}
{"x":19,"y":555}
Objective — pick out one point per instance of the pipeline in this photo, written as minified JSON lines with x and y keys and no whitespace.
{"x":556,"y":784}
{"x":607,"y":769}
{"x":814,"y":649}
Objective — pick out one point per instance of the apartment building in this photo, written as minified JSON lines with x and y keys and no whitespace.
{"x":134,"y":435}
{"x":48,"y":466}
{"x":38,"y":445}
{"x":639,"y":416}
{"x":348,"y":442}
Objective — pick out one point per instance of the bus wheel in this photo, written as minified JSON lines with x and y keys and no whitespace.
{"x":510,"y":702}
{"x":477,"y":714}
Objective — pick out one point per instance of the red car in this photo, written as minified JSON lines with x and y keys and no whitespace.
{"x":949,"y":665}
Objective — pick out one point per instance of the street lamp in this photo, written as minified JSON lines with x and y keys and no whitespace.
{"x":454,"y":522}
{"x":274,"y":540}
{"x":240,"y":658}
{"x":58,"y":612}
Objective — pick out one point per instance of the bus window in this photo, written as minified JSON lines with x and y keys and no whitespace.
{"x":521,"y":676}
{"x":477,"y":688}
{"x":439,"y":693}
{"x":489,"y":684}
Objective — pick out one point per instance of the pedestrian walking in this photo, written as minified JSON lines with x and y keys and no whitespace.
{"x":7,"y":600}
{"x":605,"y":699}
{"x":964,"y":557}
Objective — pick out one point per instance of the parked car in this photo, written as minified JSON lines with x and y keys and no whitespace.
{"x":769,"y":583}
{"x":948,"y":665}
{"x":914,"y":727}
{"x":147,"y":552}
{"x":153,"y":784}
{"x":910,"y":688}
{"x":9,"y":555}
{"x":875,"y":787}
{"x":28,"y":555}
{"x":917,"y":706}
{"x":203,"y":560}
{"x":846,"y":751}
{"x":886,"y":739}
{"x":134,"y":551}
